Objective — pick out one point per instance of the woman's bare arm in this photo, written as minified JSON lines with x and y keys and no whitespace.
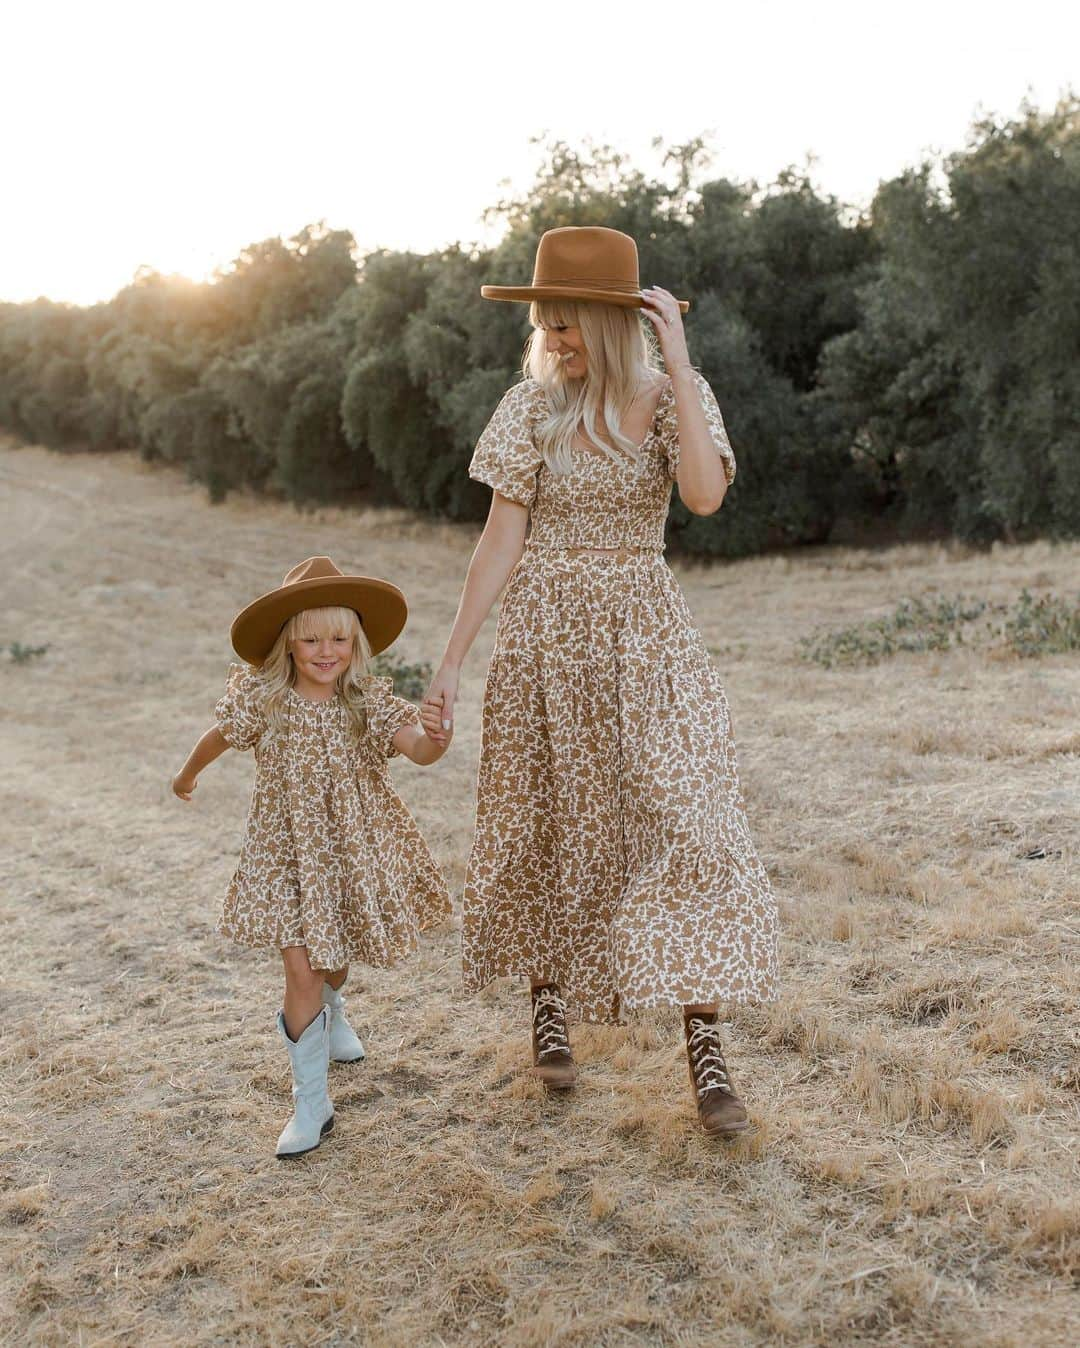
{"x":494,"y":557}
{"x":700,"y":474}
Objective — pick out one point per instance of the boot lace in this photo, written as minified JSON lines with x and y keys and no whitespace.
{"x":710,"y":1070}
{"x":549,"y":1021}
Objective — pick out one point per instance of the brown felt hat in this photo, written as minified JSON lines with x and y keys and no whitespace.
{"x":317,"y":583}
{"x":582,"y":262}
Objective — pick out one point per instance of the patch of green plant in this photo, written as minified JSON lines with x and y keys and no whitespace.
{"x":410,"y":681}
{"x":22,"y":655}
{"x":1032,"y":625}
{"x":1046,"y":624}
{"x":914,"y":625}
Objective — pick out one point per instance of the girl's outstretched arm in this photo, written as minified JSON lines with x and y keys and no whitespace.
{"x":495,"y":556}
{"x":414,"y":742}
{"x":210,"y":746}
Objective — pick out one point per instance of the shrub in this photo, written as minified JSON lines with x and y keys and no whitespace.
{"x":410,"y":681}
{"x":1043,"y":625}
{"x":1046,"y":624}
{"x":914,"y":625}
{"x":22,"y":655}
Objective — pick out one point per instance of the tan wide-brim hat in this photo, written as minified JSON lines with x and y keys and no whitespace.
{"x":317,"y":583}
{"x":582,"y":262}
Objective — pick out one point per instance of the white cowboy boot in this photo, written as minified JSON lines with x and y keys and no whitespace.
{"x":345,"y":1045}
{"x":313,"y":1114}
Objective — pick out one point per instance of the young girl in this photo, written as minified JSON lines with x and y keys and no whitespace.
{"x":333,"y":868}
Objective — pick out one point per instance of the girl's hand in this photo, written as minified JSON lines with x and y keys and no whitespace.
{"x":431,"y":719}
{"x":439,"y":737}
{"x":437,"y":707}
{"x":447,"y":735}
{"x":184,"y":786}
{"x":663,"y":311}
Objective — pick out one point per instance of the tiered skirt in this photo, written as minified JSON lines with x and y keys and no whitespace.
{"x":612,"y":851}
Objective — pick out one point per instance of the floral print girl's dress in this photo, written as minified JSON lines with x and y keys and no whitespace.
{"x":332,"y":859}
{"x":612,"y":852}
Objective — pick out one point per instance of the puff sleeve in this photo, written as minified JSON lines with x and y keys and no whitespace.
{"x":506,"y":457}
{"x":386,"y":714}
{"x":669,"y":428}
{"x":239,"y":713}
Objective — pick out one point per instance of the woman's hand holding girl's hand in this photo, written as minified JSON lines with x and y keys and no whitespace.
{"x":662,"y":308}
{"x":437,"y":707}
{"x":183,"y":786}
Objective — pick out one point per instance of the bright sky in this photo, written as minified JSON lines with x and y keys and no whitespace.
{"x":172,"y":135}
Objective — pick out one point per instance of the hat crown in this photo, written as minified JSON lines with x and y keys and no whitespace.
{"x":587,"y":255}
{"x":313,"y":568}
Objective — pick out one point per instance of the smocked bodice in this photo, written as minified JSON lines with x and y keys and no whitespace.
{"x":604,"y":502}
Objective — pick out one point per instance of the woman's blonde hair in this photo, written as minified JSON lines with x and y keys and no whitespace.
{"x":279,"y":671}
{"x":618,"y":353}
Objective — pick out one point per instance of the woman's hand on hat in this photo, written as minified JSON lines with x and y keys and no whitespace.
{"x":664,"y":313}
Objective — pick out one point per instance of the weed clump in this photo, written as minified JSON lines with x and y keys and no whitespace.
{"x":914,"y":625}
{"x":22,"y":655}
{"x":1033,"y":625}
{"x":1043,"y":625}
{"x":410,"y":681}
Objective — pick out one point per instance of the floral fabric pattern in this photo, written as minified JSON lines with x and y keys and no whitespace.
{"x":612,"y":851}
{"x":331,"y":859}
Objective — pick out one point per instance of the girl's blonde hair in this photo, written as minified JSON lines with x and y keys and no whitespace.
{"x":618,"y":353}
{"x":279,"y":671}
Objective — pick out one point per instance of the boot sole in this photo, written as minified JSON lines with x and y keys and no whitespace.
{"x":553,"y":1084}
{"x":289,"y":1155}
{"x":727,"y":1132}
{"x":359,"y":1058}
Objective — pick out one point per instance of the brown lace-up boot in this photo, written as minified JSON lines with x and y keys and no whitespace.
{"x":720,"y":1110}
{"x":552,"y":1060}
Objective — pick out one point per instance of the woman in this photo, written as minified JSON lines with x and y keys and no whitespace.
{"x":612,"y":862}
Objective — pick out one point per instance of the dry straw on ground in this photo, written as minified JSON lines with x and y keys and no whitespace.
{"x":912,"y":1175}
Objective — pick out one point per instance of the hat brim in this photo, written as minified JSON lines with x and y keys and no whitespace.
{"x":526,"y":294}
{"x":381,"y":606}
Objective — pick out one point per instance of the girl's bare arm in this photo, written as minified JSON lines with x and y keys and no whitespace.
{"x":416,"y":743}
{"x":210,"y":746}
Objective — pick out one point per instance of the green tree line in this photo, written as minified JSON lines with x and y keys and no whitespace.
{"x":911,"y":370}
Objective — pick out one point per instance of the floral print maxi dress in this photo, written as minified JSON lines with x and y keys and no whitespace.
{"x":611,"y":851}
{"x":332,"y":859}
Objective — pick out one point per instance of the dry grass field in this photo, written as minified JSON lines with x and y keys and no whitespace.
{"x":912,"y":1175}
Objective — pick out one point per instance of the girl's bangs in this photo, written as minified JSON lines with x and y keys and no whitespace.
{"x":319,"y":623}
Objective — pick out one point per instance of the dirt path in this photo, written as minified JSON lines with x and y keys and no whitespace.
{"x":913,"y":1174}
